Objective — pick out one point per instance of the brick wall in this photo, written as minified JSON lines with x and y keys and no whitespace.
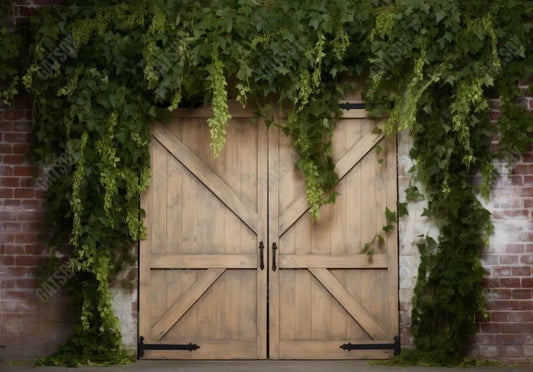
{"x":33,"y":326}
{"x":508,"y":333}
{"x":30,"y":327}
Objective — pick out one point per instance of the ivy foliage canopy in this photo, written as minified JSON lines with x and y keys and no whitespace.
{"x":100,"y":72}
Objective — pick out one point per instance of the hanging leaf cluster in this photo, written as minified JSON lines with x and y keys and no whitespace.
{"x":100,"y":72}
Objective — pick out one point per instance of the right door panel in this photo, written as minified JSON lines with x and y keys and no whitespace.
{"x":324,"y":291}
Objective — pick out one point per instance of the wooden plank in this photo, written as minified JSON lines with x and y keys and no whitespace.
{"x":342,"y":167}
{"x":338,"y":244}
{"x":144,"y":267}
{"x":247,"y":152}
{"x":180,"y":307}
{"x":320,"y":299}
{"x":204,"y":261}
{"x":205,"y":175}
{"x":262,"y":235}
{"x":288,"y":182}
{"x":222,"y":350}
{"x":232,"y":280}
{"x":273,"y":194}
{"x":352,"y":305}
{"x":328,"y":350}
{"x":354,"y":194}
{"x":158,"y":233}
{"x":358,"y":261}
{"x":392,"y":240}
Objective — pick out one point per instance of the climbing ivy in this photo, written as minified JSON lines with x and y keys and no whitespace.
{"x":100,"y":72}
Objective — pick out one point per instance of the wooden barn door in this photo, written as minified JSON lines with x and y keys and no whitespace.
{"x":324,"y":293}
{"x":199,"y":279}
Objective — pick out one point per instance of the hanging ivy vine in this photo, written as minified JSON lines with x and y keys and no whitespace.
{"x":100,"y":72}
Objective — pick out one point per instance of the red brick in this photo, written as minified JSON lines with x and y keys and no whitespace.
{"x":524,"y":294}
{"x":23,"y":126}
{"x":32,"y":204}
{"x":521,"y":271}
{"x":514,"y":248}
{"x":12,"y":114}
{"x":24,"y":171}
{"x":27,"y":283}
{"x":500,"y":294}
{"x":509,"y":259}
{"x":510,"y":282}
{"x":9,"y":182}
{"x":517,"y":327}
{"x":484,"y":339}
{"x":527,"y":158}
{"x":526,"y":305}
{"x":7,"y":260}
{"x":528,"y":180}
{"x":5,"y":126}
{"x":27,"y":182}
{"x":7,"y":238}
{"x":527,"y":259}
{"x":507,"y":339}
{"x":21,"y":148}
{"x":24,"y":193}
{"x":16,"y":272}
{"x":523,"y":169}
{"x":26,"y":261}
{"x":503,"y":305}
{"x":6,"y":170}
{"x":6,"y":148}
{"x":521,"y":316}
{"x":488,"y":351}
{"x":501,"y":271}
{"x":526,"y":191}
{"x":14,"y":159}
{"x":7,"y":283}
{"x":13,"y":249}
{"x":489,"y":283}
{"x":18,"y":294}
{"x":6,"y":193}
{"x":490,"y":327}
{"x":522,"y":213}
{"x":495,"y":115}
{"x":490,"y":259}
{"x":25,"y":238}
{"x":34,"y":249}
{"x":17,"y":137}
{"x":527,"y":282}
{"x":500,"y":316}
{"x":31,"y":226}
{"x":10,"y":226}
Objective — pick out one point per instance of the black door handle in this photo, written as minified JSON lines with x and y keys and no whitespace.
{"x":261,"y":248}
{"x":274,"y":248}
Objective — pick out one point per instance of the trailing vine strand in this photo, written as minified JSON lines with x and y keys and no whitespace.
{"x":100,"y":72}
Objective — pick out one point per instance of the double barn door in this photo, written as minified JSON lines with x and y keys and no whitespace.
{"x":234,"y":268}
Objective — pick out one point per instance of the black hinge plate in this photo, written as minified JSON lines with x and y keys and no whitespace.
{"x":351,"y":106}
{"x":142,"y":346}
{"x":395,"y":346}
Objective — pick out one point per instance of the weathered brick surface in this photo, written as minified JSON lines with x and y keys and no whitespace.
{"x":507,"y":333}
{"x":30,"y":327}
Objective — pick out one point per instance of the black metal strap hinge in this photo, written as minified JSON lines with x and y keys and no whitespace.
{"x":142,"y":346}
{"x":352,"y":106}
{"x":395,"y":346}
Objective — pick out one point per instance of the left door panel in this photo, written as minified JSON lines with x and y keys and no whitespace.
{"x":200,"y":280}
